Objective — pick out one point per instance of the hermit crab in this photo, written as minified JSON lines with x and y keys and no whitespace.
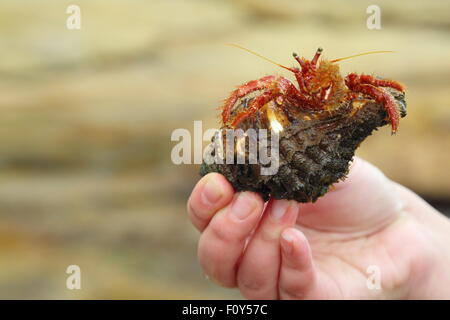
{"x":318,"y":123}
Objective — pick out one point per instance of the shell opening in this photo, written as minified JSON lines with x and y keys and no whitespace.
{"x":275,"y":125}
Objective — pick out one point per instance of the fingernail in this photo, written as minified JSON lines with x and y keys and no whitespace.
{"x":288,"y":241}
{"x":212,"y":192}
{"x":243,"y":205}
{"x":279,"y":208}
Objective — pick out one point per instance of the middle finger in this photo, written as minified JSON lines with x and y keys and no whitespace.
{"x":259,"y":268}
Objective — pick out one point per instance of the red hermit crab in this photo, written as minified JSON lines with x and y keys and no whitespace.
{"x":320,"y":87}
{"x":320,"y":122}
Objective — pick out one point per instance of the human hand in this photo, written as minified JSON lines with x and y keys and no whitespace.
{"x":287,"y":250}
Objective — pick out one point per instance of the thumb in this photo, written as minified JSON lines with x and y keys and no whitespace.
{"x":365,"y":200}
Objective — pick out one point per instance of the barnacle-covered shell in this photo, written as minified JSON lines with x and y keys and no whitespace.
{"x":315,"y":149}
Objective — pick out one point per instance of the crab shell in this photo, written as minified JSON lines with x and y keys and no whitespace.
{"x":315,"y":150}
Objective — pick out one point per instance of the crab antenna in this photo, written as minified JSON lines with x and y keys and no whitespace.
{"x":361,"y":54}
{"x":300,"y":61}
{"x":259,"y":55}
{"x":316,"y":56}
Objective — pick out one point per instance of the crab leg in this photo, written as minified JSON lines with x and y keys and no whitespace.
{"x":369,"y":85}
{"x":242,"y":91}
{"x":367,"y":79}
{"x":255,"y":105}
{"x":383,"y":97}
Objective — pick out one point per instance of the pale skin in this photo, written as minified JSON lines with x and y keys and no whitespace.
{"x":288,"y":250}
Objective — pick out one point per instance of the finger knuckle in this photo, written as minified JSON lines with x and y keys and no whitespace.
{"x":196,"y":212}
{"x":250,"y":286}
{"x":293,"y":293}
{"x":220,"y":231}
{"x":216,"y":265}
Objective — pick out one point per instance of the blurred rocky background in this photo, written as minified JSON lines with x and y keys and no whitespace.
{"x":87,"y":115}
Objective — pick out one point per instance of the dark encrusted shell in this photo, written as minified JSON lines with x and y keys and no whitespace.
{"x":313,"y":154}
